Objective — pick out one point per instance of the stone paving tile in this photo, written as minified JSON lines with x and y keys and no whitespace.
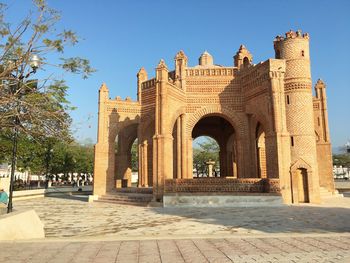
{"x":149,"y":252}
{"x":169,"y":252}
{"x":90,"y":232}
{"x":182,"y":250}
{"x":65,"y":218}
{"x":190,"y":251}
{"x":211,"y":253}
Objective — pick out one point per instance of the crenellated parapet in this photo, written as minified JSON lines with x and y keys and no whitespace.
{"x":291,"y":35}
{"x":148,"y":84}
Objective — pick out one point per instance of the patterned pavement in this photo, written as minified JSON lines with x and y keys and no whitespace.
{"x":77,"y":231}
{"x":69,"y":218}
{"x":283,"y":249}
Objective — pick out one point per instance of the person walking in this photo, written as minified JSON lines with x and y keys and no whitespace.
{"x":3,"y":197}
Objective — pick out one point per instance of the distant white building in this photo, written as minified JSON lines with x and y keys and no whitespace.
{"x":340,"y":172}
{"x":5,"y":171}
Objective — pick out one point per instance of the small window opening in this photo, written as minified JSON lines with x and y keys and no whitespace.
{"x":246,"y":62}
{"x":318,"y":121}
{"x":292,"y":141}
{"x":302,"y":53}
{"x":278,"y":54}
{"x":288,"y":101}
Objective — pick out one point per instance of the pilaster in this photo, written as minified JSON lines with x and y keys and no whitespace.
{"x":278,"y":141}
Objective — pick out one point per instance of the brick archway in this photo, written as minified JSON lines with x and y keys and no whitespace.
{"x":233,"y":119}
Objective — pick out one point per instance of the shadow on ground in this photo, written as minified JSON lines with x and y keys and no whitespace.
{"x":288,"y":219}
{"x":78,"y":197}
{"x":71,"y":216}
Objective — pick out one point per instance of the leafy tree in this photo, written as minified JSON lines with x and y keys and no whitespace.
{"x":341,"y":159}
{"x":29,"y":152}
{"x":134,"y":156}
{"x":36,"y":107}
{"x":37,"y":110}
{"x":205,"y":151}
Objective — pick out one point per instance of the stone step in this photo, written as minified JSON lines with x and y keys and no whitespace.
{"x":128,"y":195}
{"x":140,"y":190}
{"x":127,"y":199}
{"x":324,"y":193}
{"x":138,"y":199}
{"x":133,"y":203}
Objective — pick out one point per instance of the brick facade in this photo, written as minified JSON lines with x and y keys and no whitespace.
{"x":264,"y":117}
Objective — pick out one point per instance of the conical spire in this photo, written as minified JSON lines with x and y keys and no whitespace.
{"x":162,"y":64}
{"x":104,"y":87}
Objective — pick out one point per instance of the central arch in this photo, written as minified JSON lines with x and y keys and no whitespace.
{"x":221,"y":130}
{"x":233,"y":119}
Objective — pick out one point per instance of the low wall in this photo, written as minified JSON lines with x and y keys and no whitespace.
{"x":342,"y":186}
{"x":21,"y":225}
{"x":223,"y":200}
{"x":36,"y":193}
{"x":222,"y":185}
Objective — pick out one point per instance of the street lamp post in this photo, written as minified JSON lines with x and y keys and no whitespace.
{"x":34,"y":63}
{"x":48,"y":160}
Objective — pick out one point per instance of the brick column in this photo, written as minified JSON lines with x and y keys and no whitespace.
{"x":144,"y":164}
{"x":140,"y":170}
{"x":162,"y":163}
{"x":277,"y":143}
{"x":183,"y":146}
{"x":178,"y":148}
{"x":104,"y":150}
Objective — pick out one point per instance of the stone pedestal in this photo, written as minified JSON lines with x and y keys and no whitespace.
{"x":210,"y":167}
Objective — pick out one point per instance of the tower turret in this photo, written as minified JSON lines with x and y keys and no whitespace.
{"x":141,"y":77}
{"x":243,"y":58}
{"x":294,"y":48}
{"x":206,"y":59}
{"x":102,"y":101}
{"x":180,"y":65}
{"x":322,"y":122}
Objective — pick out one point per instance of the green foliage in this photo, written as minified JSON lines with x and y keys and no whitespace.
{"x":48,"y":156}
{"x":77,"y":65}
{"x":38,"y":108}
{"x":134,"y":156}
{"x":341,"y":159}
{"x":205,"y":151}
{"x":40,"y":105}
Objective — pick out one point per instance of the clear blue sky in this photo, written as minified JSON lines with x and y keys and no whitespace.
{"x":122,"y":36}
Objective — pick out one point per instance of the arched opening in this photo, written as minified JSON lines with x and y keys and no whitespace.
{"x":134,"y":162}
{"x":145,"y":149}
{"x":126,"y":157}
{"x":206,"y":162}
{"x":300,"y":186}
{"x":220,"y":130}
{"x":246,"y":62}
{"x":277,"y":54}
{"x":260,"y":151}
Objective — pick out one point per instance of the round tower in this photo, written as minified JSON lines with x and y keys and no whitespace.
{"x":294,"y":48}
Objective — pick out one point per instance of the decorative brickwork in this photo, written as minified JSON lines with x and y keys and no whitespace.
{"x":263,"y":116}
{"x":222,"y":185}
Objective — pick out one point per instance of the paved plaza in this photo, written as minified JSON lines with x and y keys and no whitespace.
{"x":78,"y":231}
{"x":282,"y":249}
{"x":75,"y":218}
